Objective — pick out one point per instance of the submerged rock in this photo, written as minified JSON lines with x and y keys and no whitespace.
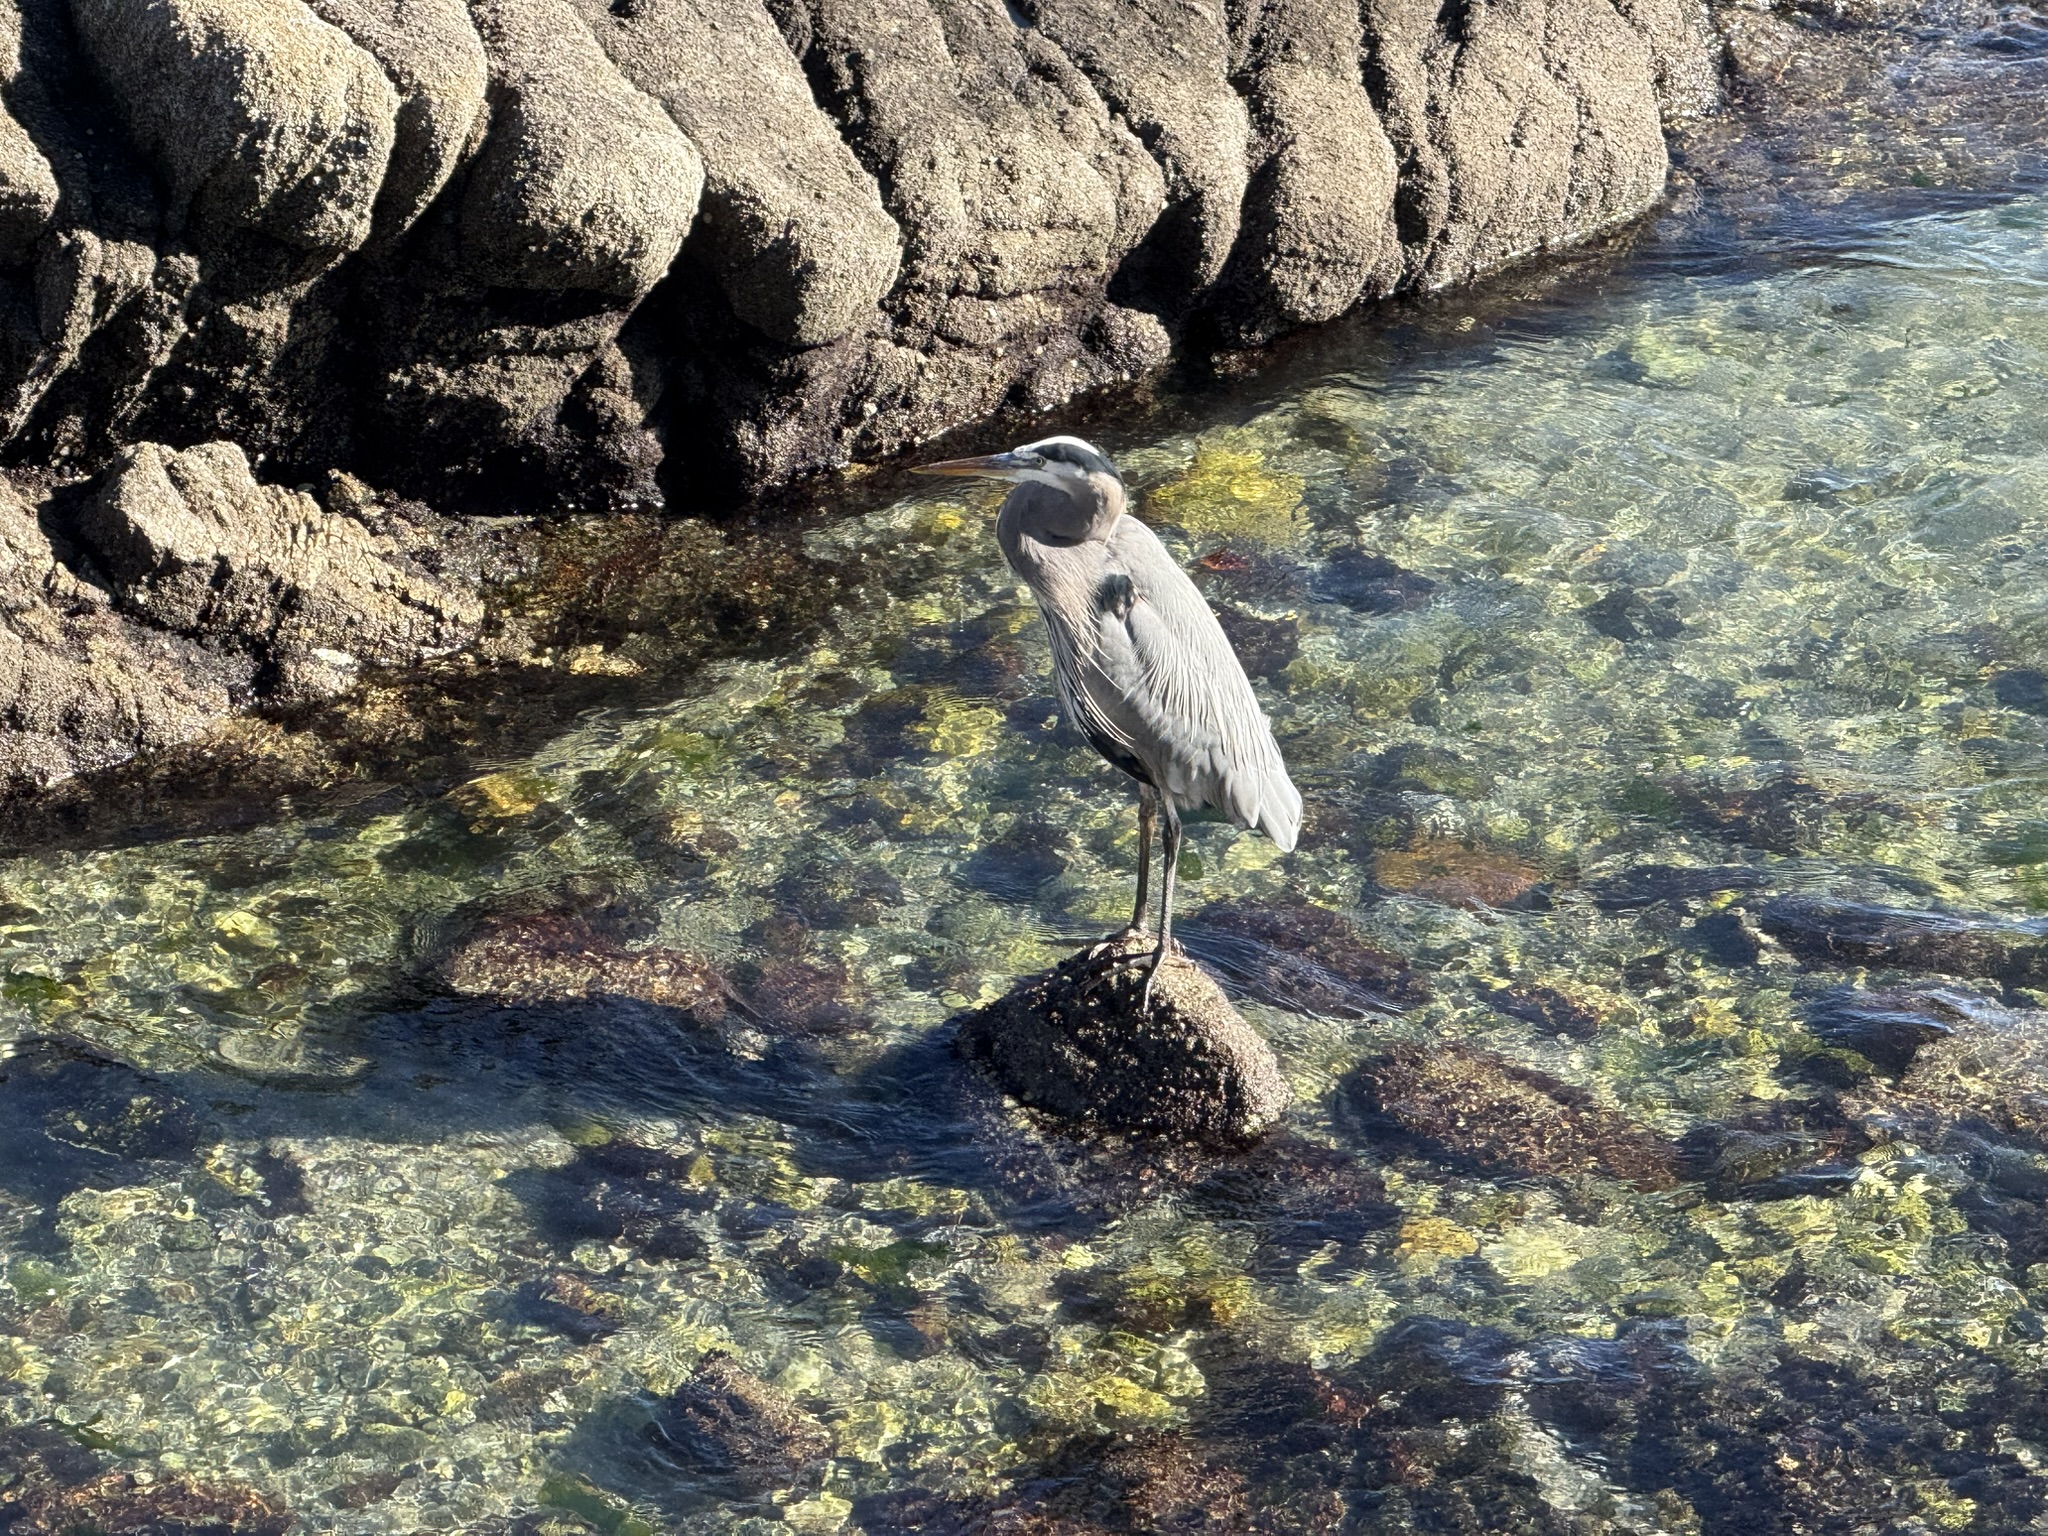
{"x":1470,"y":1105}
{"x":1073,"y":1043}
{"x":1458,"y":874}
{"x":552,"y":958}
{"x":731,"y":1423}
{"x":50,"y":1486}
{"x":1303,"y":958}
{"x":1828,"y":931}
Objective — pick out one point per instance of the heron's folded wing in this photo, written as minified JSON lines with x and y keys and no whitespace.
{"x":1165,"y":674}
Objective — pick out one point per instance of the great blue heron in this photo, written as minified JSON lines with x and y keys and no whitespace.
{"x":1141,"y":664}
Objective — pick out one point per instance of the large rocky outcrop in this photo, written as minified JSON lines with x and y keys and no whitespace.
{"x":480,"y":249}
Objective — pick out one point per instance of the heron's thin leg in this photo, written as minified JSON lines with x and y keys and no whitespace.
{"x":1170,"y":852}
{"x":1148,"y":805}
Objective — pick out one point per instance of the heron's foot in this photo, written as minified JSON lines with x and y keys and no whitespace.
{"x":1121,"y":960}
{"x":1152,"y":973}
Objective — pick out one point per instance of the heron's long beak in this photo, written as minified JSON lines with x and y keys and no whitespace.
{"x":991,"y":466}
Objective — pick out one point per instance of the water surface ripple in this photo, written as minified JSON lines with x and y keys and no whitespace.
{"x":404,"y":1163}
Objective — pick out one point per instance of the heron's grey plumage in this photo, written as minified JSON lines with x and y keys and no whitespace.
{"x":1142,"y":667}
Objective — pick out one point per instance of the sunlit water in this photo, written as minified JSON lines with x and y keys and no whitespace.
{"x":1717,"y":564}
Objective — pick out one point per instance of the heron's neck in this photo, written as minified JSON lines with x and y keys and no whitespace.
{"x":1060,"y":516}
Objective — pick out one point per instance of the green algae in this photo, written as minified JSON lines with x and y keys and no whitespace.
{"x":1728,"y":574}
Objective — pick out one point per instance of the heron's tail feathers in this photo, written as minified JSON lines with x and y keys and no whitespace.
{"x":1280,"y":814}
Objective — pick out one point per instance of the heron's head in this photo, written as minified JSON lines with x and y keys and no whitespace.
{"x":1065,"y":463}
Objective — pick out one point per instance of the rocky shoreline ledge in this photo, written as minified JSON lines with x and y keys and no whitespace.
{"x":454,"y":247}
{"x":258,"y":256}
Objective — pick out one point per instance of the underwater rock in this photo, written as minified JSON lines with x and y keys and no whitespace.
{"x":1648,"y":884}
{"x":1014,"y":865}
{"x":1828,"y":931}
{"x":1551,"y":1011}
{"x":1263,"y":646}
{"x":1787,"y":815}
{"x":71,"y":1117}
{"x":804,"y":997}
{"x":120,"y":1504}
{"x":1457,"y":874}
{"x":1990,"y":1068}
{"x":1090,"y":1485}
{"x":622,"y":1192}
{"x":1071,"y":1042}
{"x":1780,"y":1151}
{"x":1473,"y":1106}
{"x":562,"y":958}
{"x":1303,"y":958}
{"x":735,"y":1425}
{"x":1370,"y":583}
{"x":1417,"y":768}
{"x":1626,"y":614}
{"x":1886,"y":1028}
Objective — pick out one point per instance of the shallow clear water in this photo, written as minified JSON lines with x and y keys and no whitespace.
{"x":1698,"y":563}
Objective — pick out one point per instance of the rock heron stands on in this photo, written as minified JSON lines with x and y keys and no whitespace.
{"x":1142,"y":666}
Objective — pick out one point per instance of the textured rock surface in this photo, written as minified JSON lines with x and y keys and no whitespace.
{"x":1074,"y":1044}
{"x":181,"y":590}
{"x":195,"y":546}
{"x":549,"y":249}
{"x":259,"y":115}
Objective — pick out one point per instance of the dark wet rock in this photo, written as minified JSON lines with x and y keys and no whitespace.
{"x":842,"y":893}
{"x":1786,"y":1149}
{"x":1887,"y":1029}
{"x":1787,"y":815}
{"x":1092,"y":1485}
{"x":1551,"y":1011}
{"x":1302,"y":1200}
{"x":2022,"y":688}
{"x":562,"y":1303}
{"x":1073,"y":1044}
{"x":1827,"y":931}
{"x":1648,"y":884}
{"x":1459,"y":1102}
{"x":1991,"y":1068}
{"x":1442,"y":1368}
{"x":1458,"y":874}
{"x":560,"y":958}
{"x":803,"y":997}
{"x":1304,"y":958}
{"x":1014,"y":865}
{"x":363,"y":1492}
{"x":1371,"y":583}
{"x":1724,"y":937}
{"x":1263,"y":646}
{"x":1626,"y":614}
{"x":729,"y":1422}
{"x":1594,"y":1388}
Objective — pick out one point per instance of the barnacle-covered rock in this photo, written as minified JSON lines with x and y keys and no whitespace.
{"x":1075,"y":1044}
